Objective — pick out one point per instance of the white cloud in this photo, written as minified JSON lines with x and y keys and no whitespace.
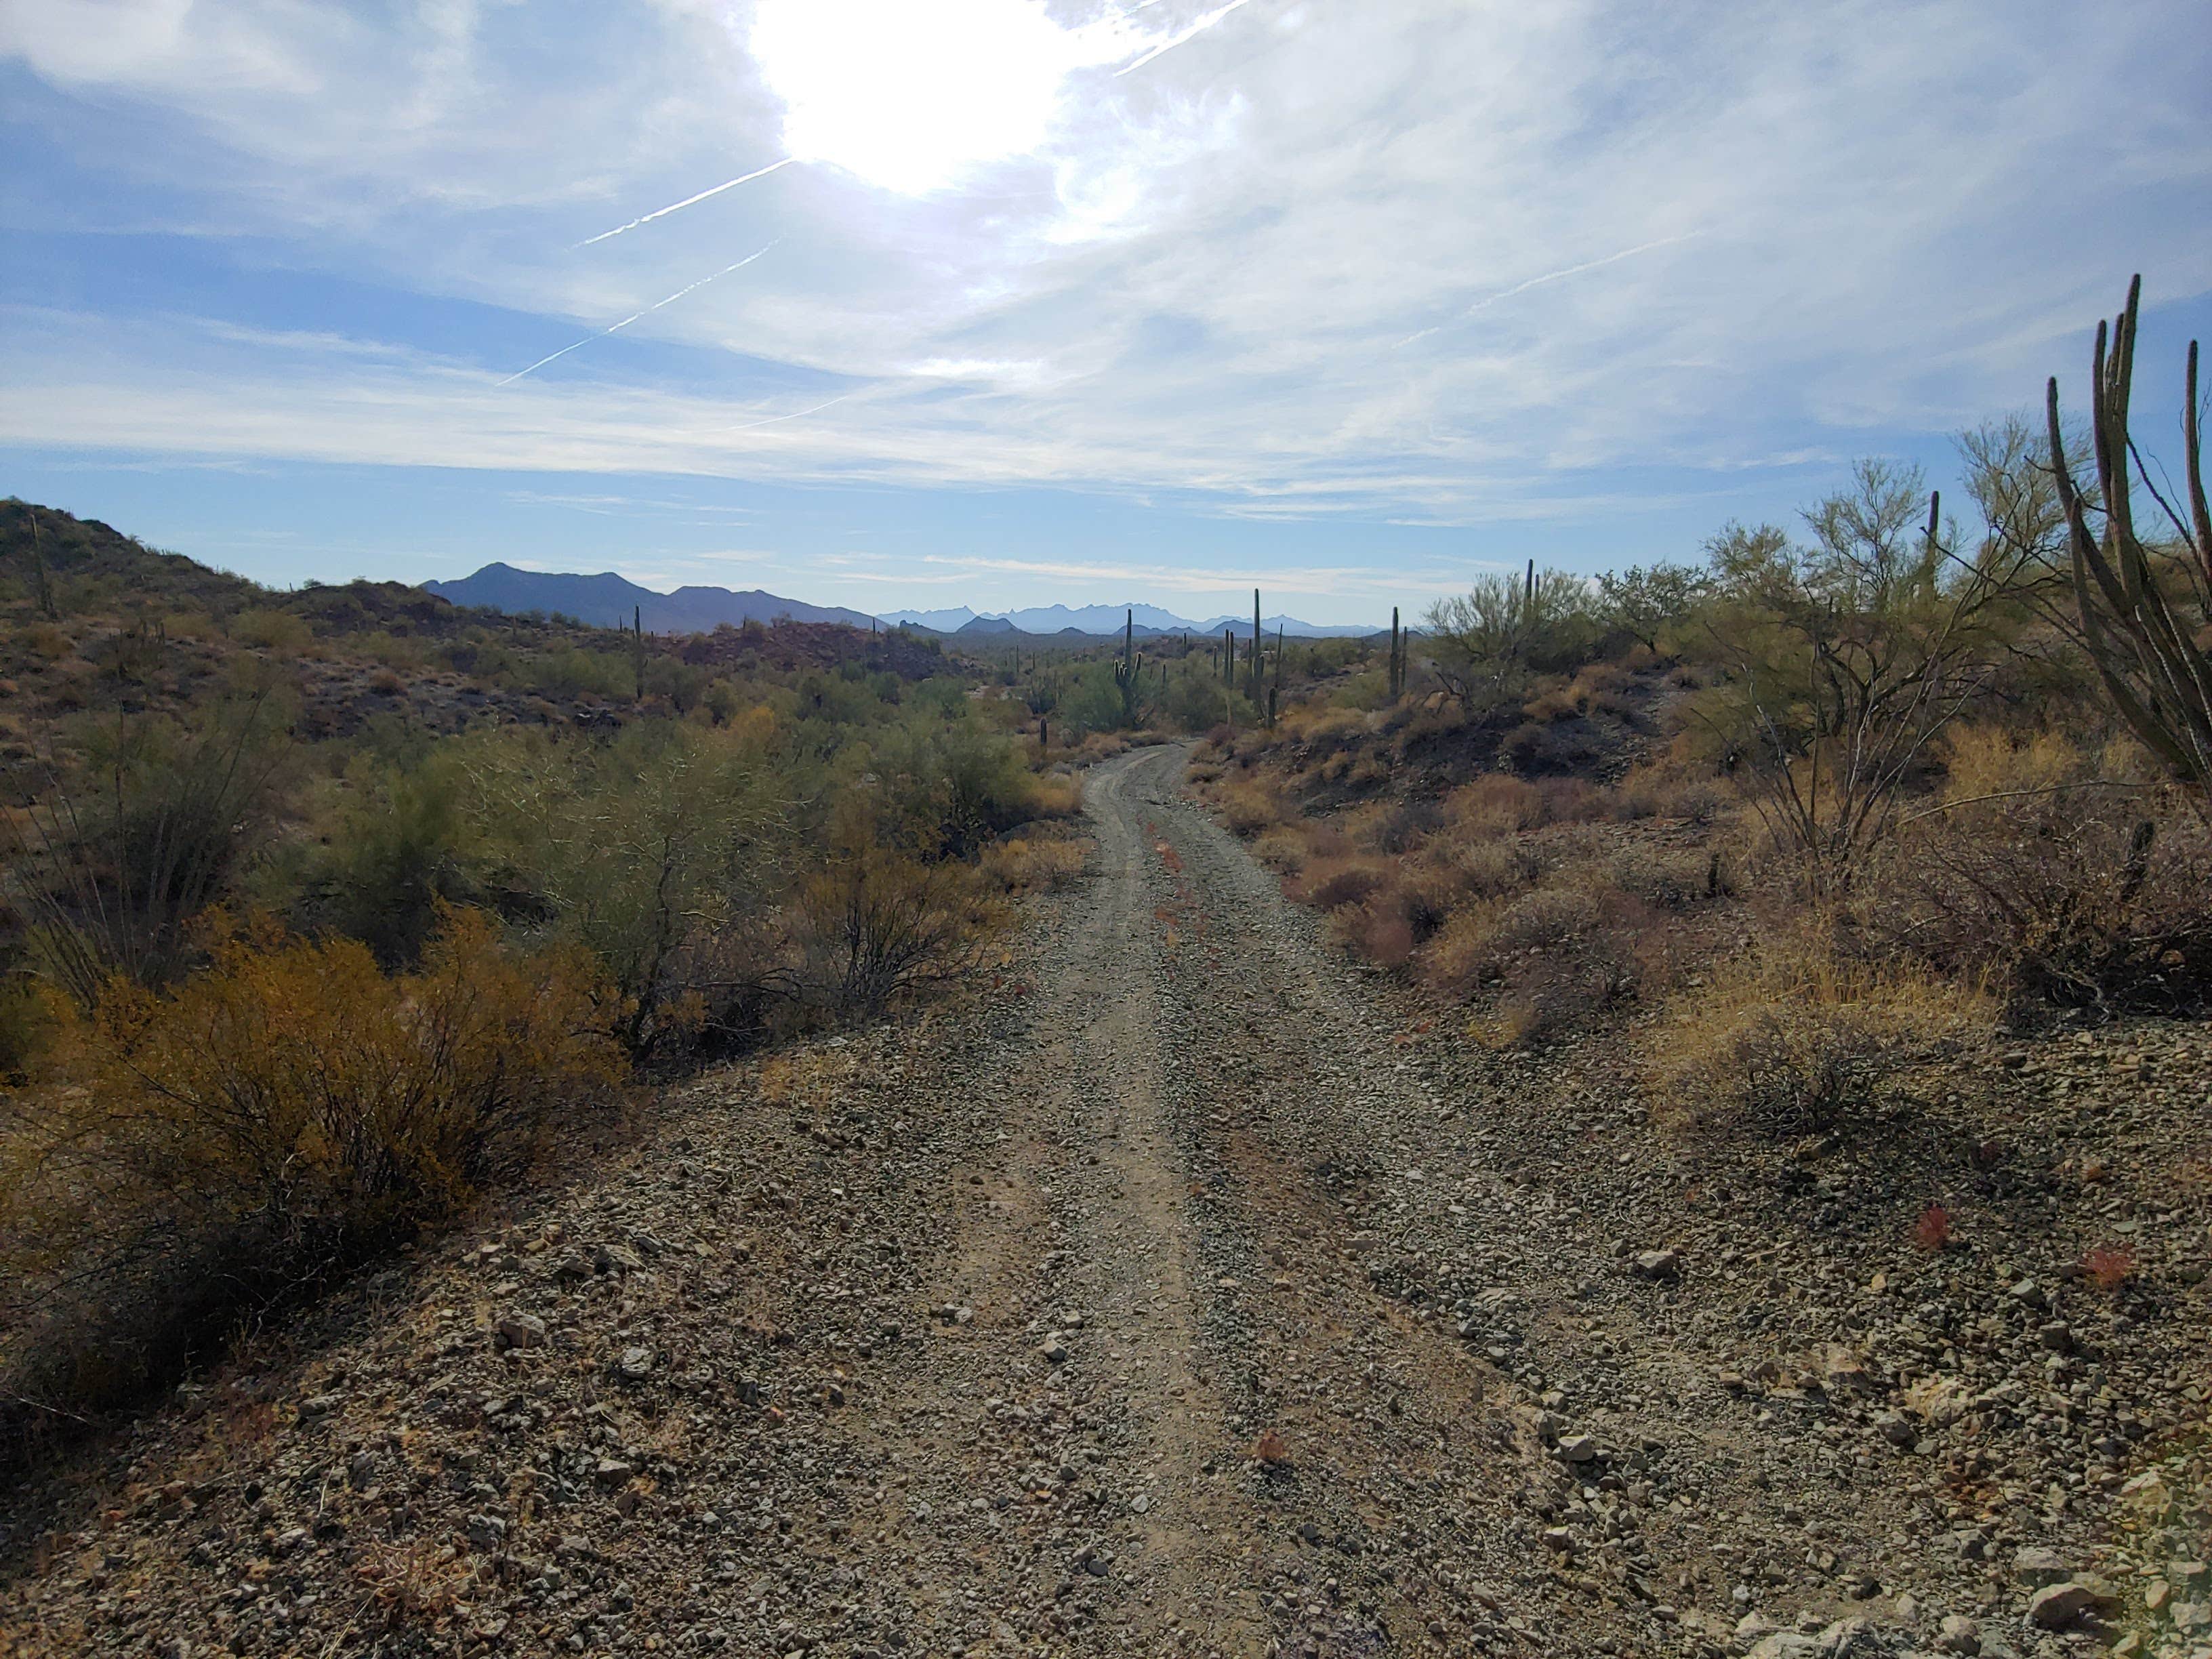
{"x":1438,"y":260}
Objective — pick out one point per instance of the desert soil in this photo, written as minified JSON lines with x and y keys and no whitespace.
{"x":1183,"y":1292}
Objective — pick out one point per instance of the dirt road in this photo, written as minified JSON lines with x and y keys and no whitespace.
{"x":1179,"y":1292}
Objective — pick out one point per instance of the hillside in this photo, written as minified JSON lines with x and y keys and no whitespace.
{"x":611,"y":601}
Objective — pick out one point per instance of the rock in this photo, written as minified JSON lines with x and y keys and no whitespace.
{"x":1578,"y":1449}
{"x":2061,"y":1607}
{"x":522,"y":1331}
{"x":1659,"y":1264}
{"x":1851,"y":1638}
{"x":2192,"y":1615}
{"x":572,"y":1267}
{"x":320,"y":1404}
{"x":1894,"y":1429}
{"x":1787,"y":1644}
{"x":2056,"y":1336}
{"x":1053,"y":1350}
{"x":635,"y":1365}
{"x":1959,"y":1634}
{"x":487,"y":1532}
{"x":2037,"y":1566}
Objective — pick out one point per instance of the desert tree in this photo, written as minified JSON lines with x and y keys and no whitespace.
{"x":1485,"y":644}
{"x":1844,"y":658}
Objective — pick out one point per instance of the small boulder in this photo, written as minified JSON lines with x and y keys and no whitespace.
{"x":1578,"y":1449}
{"x":2061,"y":1607}
{"x":1959,"y":1634}
{"x":2037,"y":1566}
{"x":522,"y":1331}
{"x":1659,"y":1264}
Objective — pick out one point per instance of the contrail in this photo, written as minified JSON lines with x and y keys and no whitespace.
{"x":1175,"y":40}
{"x":1577,"y":270}
{"x":635,"y":315}
{"x":793,"y":415}
{"x":677,"y":207}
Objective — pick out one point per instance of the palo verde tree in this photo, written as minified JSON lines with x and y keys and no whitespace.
{"x":1484,"y":644}
{"x":1841,"y":660}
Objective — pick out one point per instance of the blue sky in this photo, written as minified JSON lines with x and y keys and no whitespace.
{"x":1070,"y":302}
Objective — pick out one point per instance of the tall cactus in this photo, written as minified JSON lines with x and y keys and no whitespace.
{"x":2129,"y":605}
{"x":1397,"y":659}
{"x":1258,"y":648}
{"x":1128,"y":673}
{"x":637,"y":647}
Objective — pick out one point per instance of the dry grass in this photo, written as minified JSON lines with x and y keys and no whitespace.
{"x":1028,"y":865}
{"x":1793,"y":1040}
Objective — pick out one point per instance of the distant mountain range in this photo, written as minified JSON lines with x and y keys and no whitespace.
{"x":1108,"y":619}
{"x":610,"y":601}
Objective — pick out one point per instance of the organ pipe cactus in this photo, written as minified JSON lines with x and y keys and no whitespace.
{"x":2130,"y":599}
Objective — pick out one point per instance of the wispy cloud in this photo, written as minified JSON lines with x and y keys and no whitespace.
{"x":1624,"y":254}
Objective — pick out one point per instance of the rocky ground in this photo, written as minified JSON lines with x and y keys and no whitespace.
{"x":1184,"y":1292}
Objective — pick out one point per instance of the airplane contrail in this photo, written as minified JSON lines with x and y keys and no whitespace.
{"x":689,"y":201}
{"x":1577,"y":270}
{"x":603,"y":333}
{"x":793,"y":415}
{"x":1175,"y":40}
{"x":1488,"y":300}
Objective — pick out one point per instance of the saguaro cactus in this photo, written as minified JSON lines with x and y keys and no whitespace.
{"x":1128,"y":673}
{"x":1258,"y":648}
{"x":1397,"y":671}
{"x":637,"y":647}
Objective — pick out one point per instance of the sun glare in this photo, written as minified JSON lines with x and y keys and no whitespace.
{"x":911,"y":97}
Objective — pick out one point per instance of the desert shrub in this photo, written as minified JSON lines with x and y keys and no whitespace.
{"x":2046,"y":869}
{"x":1405,"y":824}
{"x":48,"y":642}
{"x":1796,"y":1041}
{"x":1494,"y":805}
{"x":949,"y":787}
{"x":1378,"y":928}
{"x":1022,"y":864}
{"x":281,"y":1113}
{"x":660,"y":852}
{"x":1283,"y":848}
{"x":396,"y":852}
{"x":1557,"y":702}
{"x":1668,"y":878}
{"x":1534,"y":750}
{"x":1549,"y":959}
{"x":278,"y":632}
{"x":113,"y":865}
{"x":1330,"y":882}
{"x":29,"y":1022}
{"x":878,"y":922}
{"x":1249,"y":806}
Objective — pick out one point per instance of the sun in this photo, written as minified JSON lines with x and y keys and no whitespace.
{"x":912,"y":96}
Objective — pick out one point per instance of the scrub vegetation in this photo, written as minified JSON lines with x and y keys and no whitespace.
{"x":327,"y":911}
